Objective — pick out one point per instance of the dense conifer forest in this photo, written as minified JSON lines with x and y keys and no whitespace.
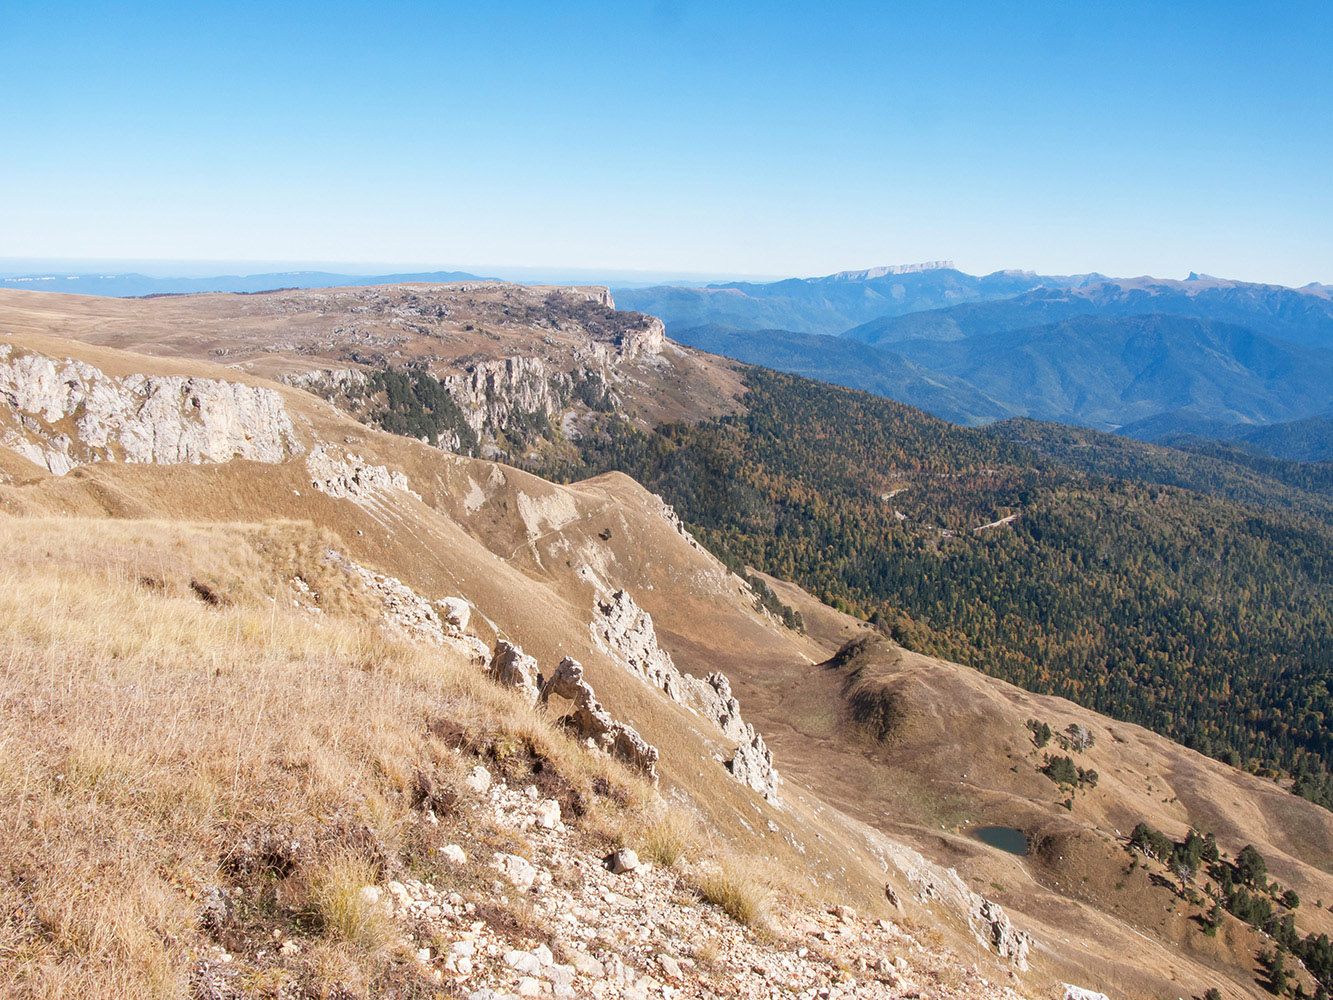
{"x":1201,"y":613}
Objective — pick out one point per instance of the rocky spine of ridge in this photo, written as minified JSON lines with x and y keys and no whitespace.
{"x":407,"y":613}
{"x":68,"y":413}
{"x":625,"y":632}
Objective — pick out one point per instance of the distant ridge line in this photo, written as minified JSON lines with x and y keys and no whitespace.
{"x":880,"y":272}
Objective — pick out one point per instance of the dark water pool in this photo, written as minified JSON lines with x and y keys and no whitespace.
{"x":1006,"y":838}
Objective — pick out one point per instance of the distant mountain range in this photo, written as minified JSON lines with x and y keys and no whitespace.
{"x":835,"y":303}
{"x":1204,"y":359}
{"x":1151,"y":358}
{"x":1304,"y":316}
{"x":854,"y":365}
{"x":130,"y":285}
{"x":1108,"y":372}
{"x":1309,"y":439}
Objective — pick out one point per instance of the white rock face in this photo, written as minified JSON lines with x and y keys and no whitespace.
{"x":625,"y":631}
{"x":493,"y":394}
{"x":349,"y":478}
{"x":70,"y":413}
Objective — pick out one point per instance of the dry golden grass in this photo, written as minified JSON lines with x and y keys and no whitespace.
{"x":668,"y":837}
{"x":147,"y":733}
{"x":738,"y":886}
{"x":345,"y":911}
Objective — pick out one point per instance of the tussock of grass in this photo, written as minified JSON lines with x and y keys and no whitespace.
{"x":668,"y":838}
{"x":345,"y":911}
{"x":146,"y":733}
{"x":737,"y":886}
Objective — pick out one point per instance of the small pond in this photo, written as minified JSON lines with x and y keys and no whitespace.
{"x":1006,"y":838}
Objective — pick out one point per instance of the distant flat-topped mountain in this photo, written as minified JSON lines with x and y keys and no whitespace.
{"x":836,"y":302}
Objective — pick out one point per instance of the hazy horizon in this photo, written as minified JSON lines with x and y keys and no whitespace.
{"x":18,"y":268}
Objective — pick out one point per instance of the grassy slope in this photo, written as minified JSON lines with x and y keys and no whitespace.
{"x":148,"y":735}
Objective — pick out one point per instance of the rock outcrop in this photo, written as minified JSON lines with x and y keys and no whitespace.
{"x":991,"y":925}
{"x":67,"y":413}
{"x":512,"y":668}
{"x":1009,"y":942}
{"x":351,"y":479}
{"x":1079,"y":993}
{"x":327,"y":382}
{"x":591,"y":721}
{"x":625,"y":631}
{"x":495,"y":395}
{"x":646,"y":337}
{"x":406,"y":612}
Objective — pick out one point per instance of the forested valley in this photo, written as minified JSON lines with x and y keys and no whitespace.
{"x":1202,"y":616}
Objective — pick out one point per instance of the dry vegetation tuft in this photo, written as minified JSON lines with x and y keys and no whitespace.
{"x":739,"y":886}
{"x":668,"y":838}
{"x":345,"y":912}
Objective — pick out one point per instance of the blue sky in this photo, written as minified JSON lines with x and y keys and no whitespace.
{"x":747,"y":138}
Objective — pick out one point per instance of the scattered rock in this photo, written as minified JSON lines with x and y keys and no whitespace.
{"x":518,"y":870}
{"x":523,"y":961}
{"x":479,"y":780}
{"x":548,"y":814}
{"x":670,"y":966}
{"x":455,"y":613}
{"x":622,"y":860}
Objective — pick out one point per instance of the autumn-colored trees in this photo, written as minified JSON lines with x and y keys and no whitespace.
{"x":1206,"y":620}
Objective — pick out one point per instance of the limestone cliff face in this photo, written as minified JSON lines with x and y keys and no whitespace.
{"x":646,"y":336}
{"x":64,"y":413}
{"x":496,"y":395}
